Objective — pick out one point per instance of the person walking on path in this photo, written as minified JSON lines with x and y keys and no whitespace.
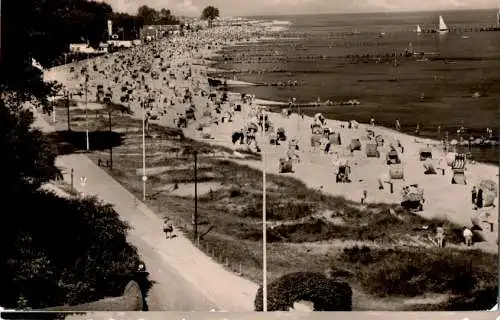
{"x":467,"y":237}
{"x":168,"y":228}
{"x":398,"y":125}
{"x":440,"y":236}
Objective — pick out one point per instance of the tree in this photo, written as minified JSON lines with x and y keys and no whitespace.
{"x":210,"y":13}
{"x":53,"y":251}
{"x":147,"y":15}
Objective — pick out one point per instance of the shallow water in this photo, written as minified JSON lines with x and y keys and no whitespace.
{"x":313,"y":52}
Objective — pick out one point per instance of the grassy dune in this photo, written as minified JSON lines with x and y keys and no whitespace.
{"x":383,"y":254}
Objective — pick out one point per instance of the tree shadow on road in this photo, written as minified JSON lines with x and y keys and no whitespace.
{"x":69,"y":142}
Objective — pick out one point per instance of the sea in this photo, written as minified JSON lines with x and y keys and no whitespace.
{"x":367,"y":57}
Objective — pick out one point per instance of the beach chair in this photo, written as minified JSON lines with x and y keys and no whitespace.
{"x":458,"y":178}
{"x":273,"y":139}
{"x":335,"y":139}
{"x":182,"y":122}
{"x":379,"y":140}
{"x":355,"y":144}
{"x":413,"y":199}
{"x":396,"y":172}
{"x":292,"y":155}
{"x":343,"y":174}
{"x":370,"y":134}
{"x":393,"y":157}
{"x":425,"y":153}
{"x":285,"y":166}
{"x":281,"y":134}
{"x":207,"y":133}
{"x":315,"y":142}
{"x":429,"y":168}
{"x":372,"y":150}
{"x":483,"y":217}
{"x":327,"y":132}
{"x":316,"y":129}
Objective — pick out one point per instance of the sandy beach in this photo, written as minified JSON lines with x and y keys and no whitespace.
{"x":175,"y":79}
{"x":316,"y":169}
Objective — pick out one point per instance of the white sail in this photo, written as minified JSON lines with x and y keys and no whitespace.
{"x":419,"y":30}
{"x":442,"y":26}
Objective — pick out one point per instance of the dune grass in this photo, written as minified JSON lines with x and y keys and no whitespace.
{"x":230,"y":222}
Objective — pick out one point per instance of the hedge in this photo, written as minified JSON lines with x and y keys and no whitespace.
{"x":325,"y":294}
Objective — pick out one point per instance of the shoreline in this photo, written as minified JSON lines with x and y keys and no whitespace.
{"x":322,"y":171}
{"x":215,"y":67}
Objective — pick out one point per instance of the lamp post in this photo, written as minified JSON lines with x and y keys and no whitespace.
{"x":144,"y":177}
{"x":110,"y":142}
{"x":298,"y":115}
{"x":264,"y":223}
{"x":53,"y":112}
{"x":67,"y":109}
{"x":86,"y":115}
{"x":195,"y":218}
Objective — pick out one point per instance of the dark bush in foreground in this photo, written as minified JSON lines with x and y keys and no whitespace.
{"x":324,"y":293}
{"x":57,"y":251}
{"x":413,"y":272}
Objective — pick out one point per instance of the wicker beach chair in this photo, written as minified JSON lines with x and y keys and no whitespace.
{"x":425,"y":153}
{"x":285,"y":166}
{"x":355,"y":144}
{"x":372,"y":150}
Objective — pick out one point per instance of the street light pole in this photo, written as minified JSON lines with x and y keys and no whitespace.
{"x":110,"y":143}
{"x":67,"y":109}
{"x":144,"y":177}
{"x":264,"y":222}
{"x":86,"y":115}
{"x":195,"y":220}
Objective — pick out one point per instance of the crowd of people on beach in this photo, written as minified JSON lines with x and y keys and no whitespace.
{"x":166,"y":82}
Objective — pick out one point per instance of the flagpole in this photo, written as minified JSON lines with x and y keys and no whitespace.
{"x":264,"y":222}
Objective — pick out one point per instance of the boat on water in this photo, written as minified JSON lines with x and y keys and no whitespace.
{"x":443,"y":28}
{"x":419,"y":29}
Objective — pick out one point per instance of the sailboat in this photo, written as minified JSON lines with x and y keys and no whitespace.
{"x":443,"y":28}
{"x":419,"y":30}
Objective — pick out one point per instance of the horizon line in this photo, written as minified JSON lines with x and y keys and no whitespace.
{"x":359,"y":12}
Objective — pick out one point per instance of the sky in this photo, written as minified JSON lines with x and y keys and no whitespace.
{"x":279,"y":7}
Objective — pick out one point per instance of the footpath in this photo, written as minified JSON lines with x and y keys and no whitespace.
{"x":185,"y":278}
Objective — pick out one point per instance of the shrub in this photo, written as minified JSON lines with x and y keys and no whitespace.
{"x":62,"y":251}
{"x":410,"y":272}
{"x":324,"y":293}
{"x":277,"y":210}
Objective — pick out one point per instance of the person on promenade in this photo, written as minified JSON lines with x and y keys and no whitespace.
{"x":168,"y":228}
{"x":467,"y":237}
{"x":398,"y":125}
